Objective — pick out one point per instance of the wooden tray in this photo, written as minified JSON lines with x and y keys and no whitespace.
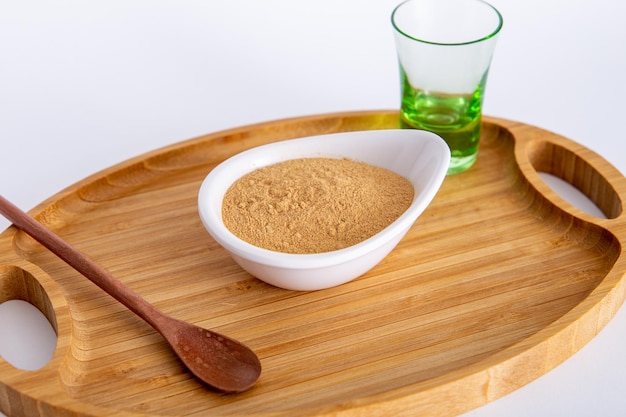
{"x":498,"y":281}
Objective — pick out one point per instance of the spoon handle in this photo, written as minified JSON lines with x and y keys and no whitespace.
{"x":81,"y":263}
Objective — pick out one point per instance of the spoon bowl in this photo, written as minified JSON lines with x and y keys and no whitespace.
{"x":219,"y":361}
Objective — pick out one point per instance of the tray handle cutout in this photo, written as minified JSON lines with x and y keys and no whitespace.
{"x":572,"y":195}
{"x":576,"y":180}
{"x":28,"y":326}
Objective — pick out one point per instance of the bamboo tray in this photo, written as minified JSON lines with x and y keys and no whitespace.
{"x":498,"y":281}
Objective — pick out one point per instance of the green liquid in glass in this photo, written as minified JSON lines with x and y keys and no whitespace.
{"x":456,"y":118}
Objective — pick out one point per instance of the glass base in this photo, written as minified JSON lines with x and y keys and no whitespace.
{"x":459,"y":164}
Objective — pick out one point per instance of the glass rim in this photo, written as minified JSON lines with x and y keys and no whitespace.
{"x":481,"y":39}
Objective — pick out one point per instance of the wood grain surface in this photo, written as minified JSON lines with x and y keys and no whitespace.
{"x":497,"y":282}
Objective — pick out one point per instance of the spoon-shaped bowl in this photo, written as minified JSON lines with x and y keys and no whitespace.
{"x":221,"y":362}
{"x":421,"y":157}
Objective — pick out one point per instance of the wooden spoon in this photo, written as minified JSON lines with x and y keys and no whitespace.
{"x":221,"y":362}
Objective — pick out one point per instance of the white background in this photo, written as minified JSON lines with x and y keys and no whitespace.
{"x":87,"y":84}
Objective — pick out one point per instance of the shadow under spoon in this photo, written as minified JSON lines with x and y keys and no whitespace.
{"x":221,"y":362}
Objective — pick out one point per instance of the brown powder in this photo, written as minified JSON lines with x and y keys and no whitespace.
{"x":314,"y":205}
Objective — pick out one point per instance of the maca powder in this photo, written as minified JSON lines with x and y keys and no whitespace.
{"x":314,"y":205}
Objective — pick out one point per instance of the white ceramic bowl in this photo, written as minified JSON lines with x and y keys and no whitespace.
{"x":421,"y":157}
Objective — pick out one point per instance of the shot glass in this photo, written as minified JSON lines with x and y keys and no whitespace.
{"x":444,"y":50}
